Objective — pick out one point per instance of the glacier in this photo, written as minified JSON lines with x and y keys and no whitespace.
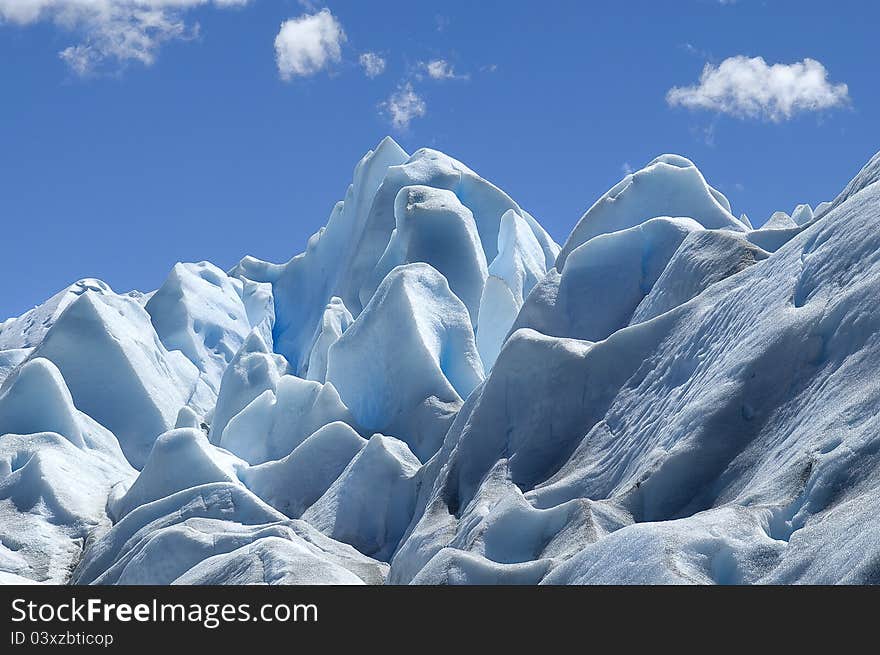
{"x":435,"y":392}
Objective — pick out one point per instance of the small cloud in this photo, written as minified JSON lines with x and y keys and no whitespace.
{"x":307,"y":45}
{"x":626,"y":168}
{"x":489,"y":68}
{"x":373,"y":64}
{"x":441,"y":22}
{"x":403,"y":106}
{"x":440,"y":69}
{"x":750,"y":88}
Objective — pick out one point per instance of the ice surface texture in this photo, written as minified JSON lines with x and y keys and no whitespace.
{"x":434,"y":392}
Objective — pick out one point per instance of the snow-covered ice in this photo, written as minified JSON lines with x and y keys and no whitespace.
{"x":408,"y":361}
{"x":295,"y":482}
{"x":199,"y":312}
{"x":57,"y":469}
{"x":371,"y":502}
{"x":120,"y":373}
{"x":668,"y":186}
{"x":276,"y":422}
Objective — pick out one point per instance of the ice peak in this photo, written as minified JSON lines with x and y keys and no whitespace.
{"x":180,"y":458}
{"x":388,"y":144}
{"x":673,"y":160}
{"x":669,"y":185}
{"x":36,"y":399}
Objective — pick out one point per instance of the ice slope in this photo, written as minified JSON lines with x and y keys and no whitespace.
{"x":408,"y":361}
{"x":52,"y":498}
{"x":220,"y":533}
{"x":371,"y":502}
{"x":19,"y":335}
{"x":520,"y":264}
{"x":276,"y":422}
{"x":259,"y":303}
{"x":703,"y":258}
{"x":180,"y":459}
{"x":334,"y":322}
{"x":118,"y":371}
{"x":269,"y":560}
{"x":199,"y":311}
{"x":728,"y":545}
{"x":254,"y":370}
{"x":433,"y":227}
{"x":10,"y":360}
{"x":57,"y":468}
{"x":29,"y":329}
{"x":603,"y":281}
{"x":293,"y":484}
{"x":35,"y":399}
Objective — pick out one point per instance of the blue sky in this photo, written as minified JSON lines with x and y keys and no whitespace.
{"x":134,"y":135}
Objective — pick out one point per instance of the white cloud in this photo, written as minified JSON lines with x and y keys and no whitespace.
{"x":373,"y":64}
{"x":440,"y":69}
{"x":626,"y":168}
{"x":308,"y":44}
{"x":111,"y":31}
{"x":750,"y":88}
{"x":403,"y":106}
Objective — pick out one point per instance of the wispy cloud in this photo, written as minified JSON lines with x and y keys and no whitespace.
{"x":403,"y":106}
{"x":308,"y":44}
{"x":750,"y":88}
{"x":691,"y":49}
{"x":111,"y":32}
{"x":373,"y":64}
{"x":705,"y":133}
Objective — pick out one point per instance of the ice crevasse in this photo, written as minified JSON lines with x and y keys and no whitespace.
{"x":435,"y":392}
